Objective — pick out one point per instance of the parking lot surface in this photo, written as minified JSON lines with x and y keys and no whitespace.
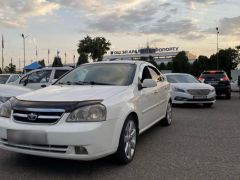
{"x":202,"y":143}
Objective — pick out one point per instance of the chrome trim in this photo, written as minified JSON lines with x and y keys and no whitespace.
{"x":20,"y":115}
{"x":40,"y":110}
{"x":49,"y":117}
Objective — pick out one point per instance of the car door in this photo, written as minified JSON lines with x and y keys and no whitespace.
{"x":162,"y":88}
{"x":37,"y":79}
{"x":148,"y":101}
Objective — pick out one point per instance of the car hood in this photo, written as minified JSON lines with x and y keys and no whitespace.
{"x":186,"y":86}
{"x":10,"y":90}
{"x":73,"y":93}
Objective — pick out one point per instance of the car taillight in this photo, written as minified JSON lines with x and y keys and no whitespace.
{"x":224,"y":79}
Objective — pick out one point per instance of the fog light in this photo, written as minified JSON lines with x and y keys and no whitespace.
{"x":80,"y":150}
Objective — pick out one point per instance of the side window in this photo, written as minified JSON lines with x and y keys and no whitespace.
{"x":154,"y":73}
{"x":146,"y":74}
{"x":39,"y":77}
{"x":13,"y":78}
{"x":59,"y":73}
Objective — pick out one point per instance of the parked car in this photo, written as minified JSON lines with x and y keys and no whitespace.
{"x":8,"y":78}
{"x":219,"y":80}
{"x":234,"y":86}
{"x":93,"y":111}
{"x":41,"y":78}
{"x":8,"y":91}
{"x":185,"y":88}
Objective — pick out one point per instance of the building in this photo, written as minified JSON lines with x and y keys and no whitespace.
{"x":160,"y":55}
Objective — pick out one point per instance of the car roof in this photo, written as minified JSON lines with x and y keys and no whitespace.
{"x":122,"y":62}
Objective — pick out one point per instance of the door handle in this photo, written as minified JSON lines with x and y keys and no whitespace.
{"x":155,"y":92}
{"x":43,"y":85}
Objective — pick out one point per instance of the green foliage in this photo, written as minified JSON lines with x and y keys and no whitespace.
{"x":162,"y":66}
{"x":42,"y":63}
{"x":83,"y":58}
{"x":169,"y":66}
{"x":57,"y":62}
{"x":96,"y":47}
{"x":11,"y":68}
{"x":180,"y":63}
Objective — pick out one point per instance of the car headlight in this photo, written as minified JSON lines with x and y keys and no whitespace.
{"x":178,"y":90}
{"x":4,"y":99}
{"x":91,"y":113}
{"x":213,"y":90}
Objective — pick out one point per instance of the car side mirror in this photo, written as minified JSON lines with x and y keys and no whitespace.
{"x":149,"y":83}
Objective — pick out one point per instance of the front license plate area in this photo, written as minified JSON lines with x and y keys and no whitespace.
{"x":199,"y":97}
{"x":24,"y":137}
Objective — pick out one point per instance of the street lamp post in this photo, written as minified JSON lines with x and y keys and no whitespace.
{"x":24,"y":53}
{"x":217,"y":48}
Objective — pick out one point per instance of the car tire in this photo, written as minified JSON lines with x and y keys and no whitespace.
{"x":167,"y":121}
{"x":228,"y":95}
{"x":128,"y":141}
{"x":208,"y":105}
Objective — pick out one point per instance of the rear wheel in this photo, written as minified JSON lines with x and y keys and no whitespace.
{"x":127,"y":142}
{"x":167,"y":121}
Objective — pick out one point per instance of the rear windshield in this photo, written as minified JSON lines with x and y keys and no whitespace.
{"x":213,"y":75}
{"x":3,"y":79}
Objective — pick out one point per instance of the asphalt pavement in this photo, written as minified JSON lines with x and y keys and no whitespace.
{"x":202,"y":143}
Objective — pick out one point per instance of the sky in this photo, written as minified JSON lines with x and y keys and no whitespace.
{"x":58,"y":25}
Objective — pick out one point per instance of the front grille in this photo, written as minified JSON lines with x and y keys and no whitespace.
{"x":199,"y":92}
{"x":37,"y":116}
{"x":41,"y":148}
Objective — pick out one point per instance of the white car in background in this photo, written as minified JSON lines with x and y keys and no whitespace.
{"x":185,"y":88}
{"x":41,"y":78}
{"x":95,"y":110}
{"x":8,"y":78}
{"x":8,"y":91}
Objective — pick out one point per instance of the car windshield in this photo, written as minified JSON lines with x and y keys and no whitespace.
{"x":181,"y":78}
{"x":3,"y":79}
{"x":100,"y":74}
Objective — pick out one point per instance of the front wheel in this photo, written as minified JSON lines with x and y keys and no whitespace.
{"x":167,"y":121}
{"x":127,"y":142}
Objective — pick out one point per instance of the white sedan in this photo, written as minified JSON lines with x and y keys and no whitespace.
{"x":93,"y":111}
{"x":187,"y":89}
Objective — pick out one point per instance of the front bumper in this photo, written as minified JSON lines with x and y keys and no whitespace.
{"x":186,"y":98}
{"x":63,"y":139}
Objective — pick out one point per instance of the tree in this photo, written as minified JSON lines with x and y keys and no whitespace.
{"x":100,"y":46}
{"x":42,"y":63}
{"x":11,"y":68}
{"x":199,"y":65}
{"x":57,"y":62}
{"x":96,"y":47}
{"x":83,"y":58}
{"x":162,"y":66}
{"x":169,"y":66}
{"x":180,"y":63}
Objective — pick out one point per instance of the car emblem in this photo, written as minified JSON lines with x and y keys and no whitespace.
{"x":32,"y":116}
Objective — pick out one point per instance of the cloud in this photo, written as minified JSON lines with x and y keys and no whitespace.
{"x":15,"y":13}
{"x":227,"y":27}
